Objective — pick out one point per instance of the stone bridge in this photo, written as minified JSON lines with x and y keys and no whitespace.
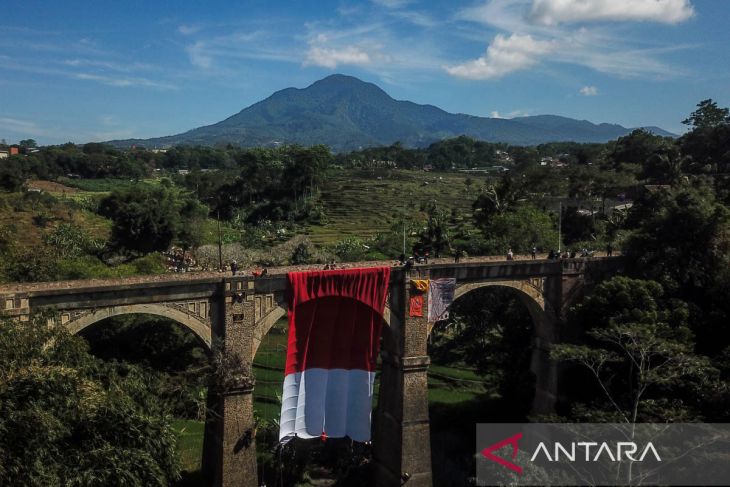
{"x":237,"y":312}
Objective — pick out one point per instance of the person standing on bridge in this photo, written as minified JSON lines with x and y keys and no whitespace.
{"x":510,"y":255}
{"x":609,"y":250}
{"x":533,"y":253}
{"x":234,"y":267}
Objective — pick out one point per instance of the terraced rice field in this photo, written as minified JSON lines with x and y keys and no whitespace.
{"x":362,"y":203}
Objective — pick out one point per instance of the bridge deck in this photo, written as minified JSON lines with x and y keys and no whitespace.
{"x":216,"y":276}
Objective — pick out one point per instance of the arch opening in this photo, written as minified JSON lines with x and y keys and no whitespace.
{"x":327,"y":462}
{"x":172,"y":366}
{"x":482,"y":370}
{"x":198,"y":327}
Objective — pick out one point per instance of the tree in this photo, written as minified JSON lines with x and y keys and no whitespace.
{"x":664,"y":166}
{"x":707,"y":150}
{"x":639,"y":351}
{"x":12,"y":174}
{"x":708,"y":115}
{"x":681,"y":239}
{"x":496,"y":199}
{"x":521,"y":228}
{"x":636,"y":147}
{"x":68,"y":419}
{"x":143,"y":220}
{"x":577,"y":227}
{"x":27,"y":144}
{"x":435,"y":236}
{"x":191,"y":231}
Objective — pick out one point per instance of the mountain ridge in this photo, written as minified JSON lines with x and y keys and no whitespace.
{"x":347,"y":113}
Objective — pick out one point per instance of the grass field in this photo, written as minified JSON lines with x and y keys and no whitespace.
{"x":190,"y":443}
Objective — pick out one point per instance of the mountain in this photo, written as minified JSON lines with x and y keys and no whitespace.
{"x":347,"y":113}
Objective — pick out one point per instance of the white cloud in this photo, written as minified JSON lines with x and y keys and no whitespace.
{"x":553,"y":12}
{"x":17,"y":125}
{"x":198,"y":56}
{"x":609,"y":54}
{"x":601,"y":48}
{"x":122,"y":82}
{"x":512,"y":114}
{"x":504,"y":55}
{"x":589,"y":91}
{"x":188,"y":29}
{"x":331,"y":57}
{"x":393,"y":3}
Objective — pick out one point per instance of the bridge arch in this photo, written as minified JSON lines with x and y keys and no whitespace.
{"x":198,"y":327}
{"x":264,"y":325}
{"x":531,"y":296}
{"x":544,"y":335}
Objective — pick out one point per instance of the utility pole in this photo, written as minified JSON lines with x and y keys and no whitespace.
{"x":220,"y":242}
{"x":560,"y":225}
{"x":404,"y":229}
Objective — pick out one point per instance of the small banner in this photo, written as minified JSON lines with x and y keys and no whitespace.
{"x":420,"y":284}
{"x":416,"y":306}
{"x":440,"y":297}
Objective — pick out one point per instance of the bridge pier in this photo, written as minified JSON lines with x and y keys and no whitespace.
{"x":402,"y":438}
{"x":230,"y":442}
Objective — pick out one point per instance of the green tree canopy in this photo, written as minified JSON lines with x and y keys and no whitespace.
{"x":150,"y":219}
{"x":521,"y":229}
{"x":639,"y":352}
{"x":708,"y":115}
{"x":681,"y":239}
{"x":68,"y":419}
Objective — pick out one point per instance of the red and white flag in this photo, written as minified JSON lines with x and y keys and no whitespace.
{"x":335,"y":318}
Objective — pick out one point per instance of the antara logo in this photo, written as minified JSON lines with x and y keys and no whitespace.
{"x":625,"y":451}
{"x":512,"y":440}
{"x":589,"y":451}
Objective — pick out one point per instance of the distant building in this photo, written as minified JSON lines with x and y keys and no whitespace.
{"x":504,"y":156}
{"x":4,"y":154}
{"x":158,"y":151}
{"x":183,"y":172}
{"x":14,"y":151}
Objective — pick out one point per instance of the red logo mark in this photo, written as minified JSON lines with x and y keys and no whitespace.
{"x":512,"y":440}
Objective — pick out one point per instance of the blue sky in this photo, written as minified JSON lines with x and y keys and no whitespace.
{"x":96,"y":70}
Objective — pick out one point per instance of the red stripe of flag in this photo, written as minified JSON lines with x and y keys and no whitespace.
{"x":335,"y":318}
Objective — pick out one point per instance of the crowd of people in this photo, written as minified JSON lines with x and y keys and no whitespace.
{"x":179,"y":260}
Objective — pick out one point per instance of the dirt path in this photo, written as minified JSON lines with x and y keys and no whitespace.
{"x":50,"y":186}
